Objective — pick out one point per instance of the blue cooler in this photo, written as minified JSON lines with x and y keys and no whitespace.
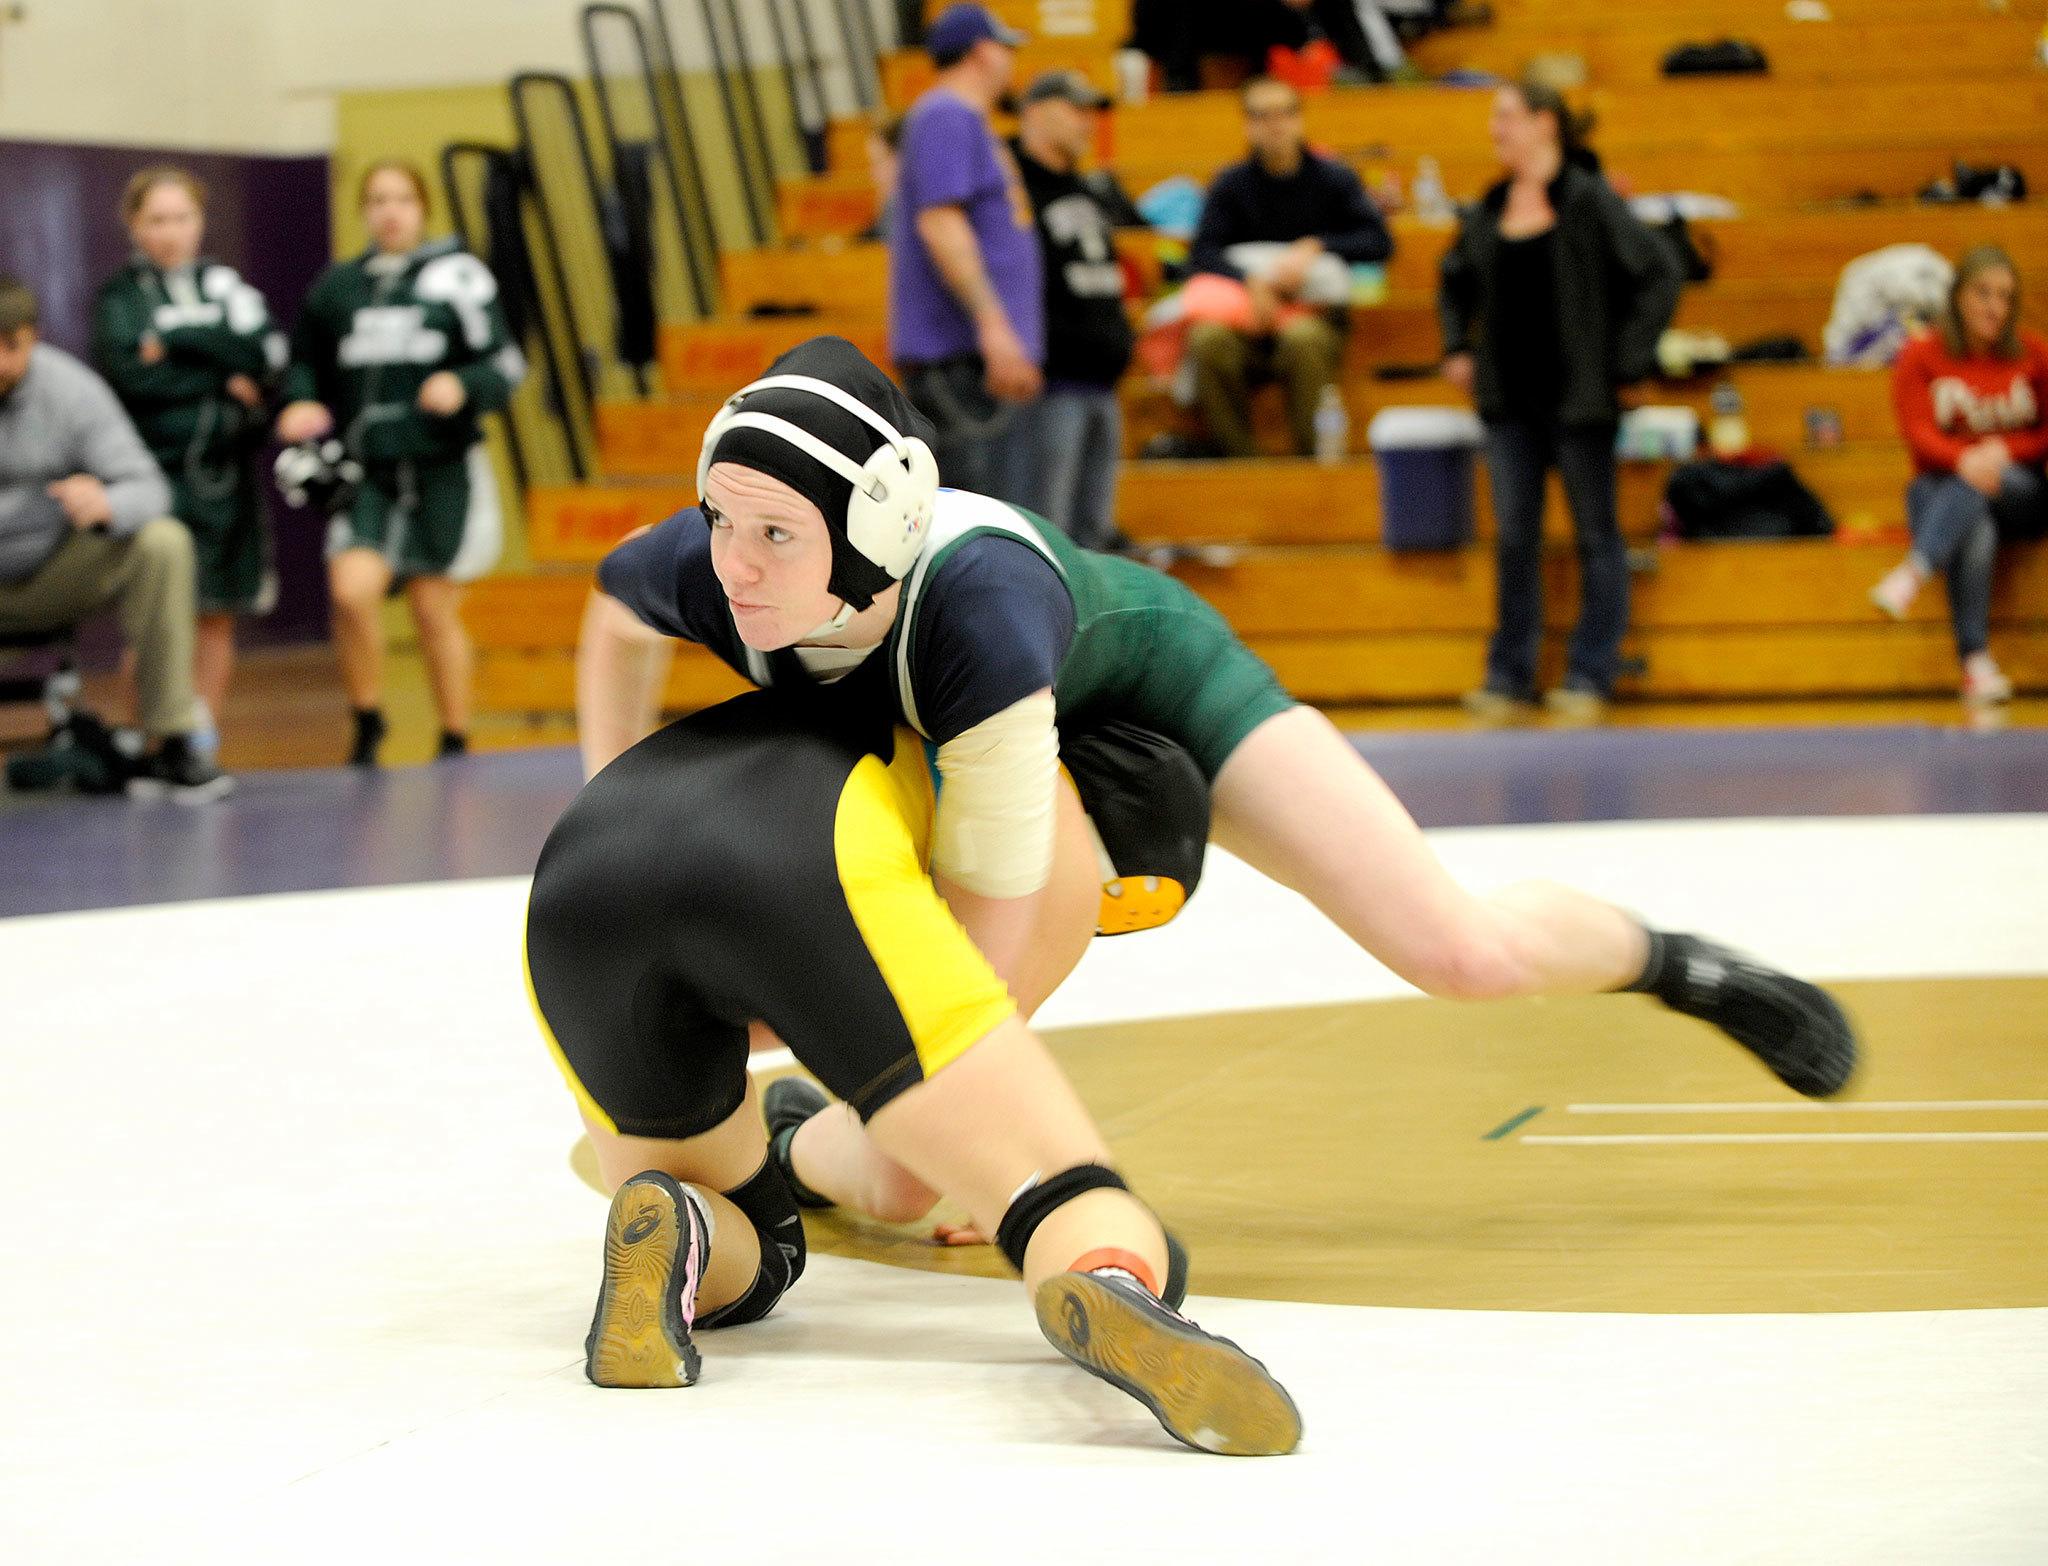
{"x":1425,"y":463}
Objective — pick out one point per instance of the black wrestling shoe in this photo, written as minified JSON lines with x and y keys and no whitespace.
{"x":453,"y":746}
{"x":1205,"y":1391}
{"x":787,"y":1103}
{"x":1175,"y":1290}
{"x":179,"y":772}
{"x":369,"y":736}
{"x":1793,"y":1027}
{"x":655,"y":1250}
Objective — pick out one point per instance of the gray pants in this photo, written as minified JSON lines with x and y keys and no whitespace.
{"x":149,"y":579}
{"x":1956,"y":530}
{"x":1076,"y":435}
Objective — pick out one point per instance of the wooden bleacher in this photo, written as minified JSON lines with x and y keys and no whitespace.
{"x":1877,"y":103}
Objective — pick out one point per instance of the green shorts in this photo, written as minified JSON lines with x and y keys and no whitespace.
{"x":1164,"y":659}
{"x":417,"y":515}
{"x":223,"y":512}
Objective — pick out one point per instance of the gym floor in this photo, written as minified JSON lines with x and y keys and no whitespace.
{"x":302,"y":1264}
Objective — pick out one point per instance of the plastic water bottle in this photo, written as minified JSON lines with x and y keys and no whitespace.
{"x":1431,"y":201}
{"x":1728,"y":428}
{"x":1333,"y":427}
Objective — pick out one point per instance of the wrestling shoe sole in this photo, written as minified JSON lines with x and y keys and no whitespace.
{"x":639,"y":1336}
{"x":1205,"y":1391}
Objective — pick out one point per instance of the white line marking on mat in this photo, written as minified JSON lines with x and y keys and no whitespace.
{"x":1929,"y":1105}
{"x":1799,"y":1136}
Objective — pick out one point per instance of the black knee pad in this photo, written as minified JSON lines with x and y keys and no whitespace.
{"x":1041,"y":1201}
{"x":1032,"y":1206}
{"x":770,"y":1206}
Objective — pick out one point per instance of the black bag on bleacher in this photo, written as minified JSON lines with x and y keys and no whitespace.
{"x":1735,"y":500}
{"x":1726,"y":57}
{"x":1694,"y":251}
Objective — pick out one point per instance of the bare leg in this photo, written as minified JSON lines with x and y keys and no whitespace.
{"x":213,"y":661}
{"x":436,"y":609}
{"x":722,"y":1159}
{"x":1297,"y":803}
{"x":357,"y":580}
{"x":992,"y":1121}
{"x":127,"y":696}
{"x":831,"y":1152}
{"x":988,"y":1127}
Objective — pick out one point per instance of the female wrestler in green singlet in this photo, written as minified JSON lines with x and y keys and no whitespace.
{"x":824,"y":554}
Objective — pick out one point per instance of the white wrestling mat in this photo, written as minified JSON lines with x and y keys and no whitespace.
{"x":297,"y":1271}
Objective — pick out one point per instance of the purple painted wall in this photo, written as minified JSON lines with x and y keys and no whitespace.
{"x":61,"y":233}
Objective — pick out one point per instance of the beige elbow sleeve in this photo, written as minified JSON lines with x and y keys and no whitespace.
{"x":994,"y":828}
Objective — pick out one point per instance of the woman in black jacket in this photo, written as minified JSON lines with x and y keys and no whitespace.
{"x":1552,"y":298}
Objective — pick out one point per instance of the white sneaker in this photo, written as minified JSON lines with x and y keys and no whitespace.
{"x":1984,"y":683}
{"x":1895,"y":594}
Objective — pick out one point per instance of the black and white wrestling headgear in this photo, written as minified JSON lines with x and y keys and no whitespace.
{"x":834,"y":428}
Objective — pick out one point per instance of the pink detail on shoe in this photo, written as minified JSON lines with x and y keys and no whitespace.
{"x":692,"y":1260}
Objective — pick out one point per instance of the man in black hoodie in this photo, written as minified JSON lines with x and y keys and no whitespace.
{"x":1077,"y":425}
{"x":1303,"y":208}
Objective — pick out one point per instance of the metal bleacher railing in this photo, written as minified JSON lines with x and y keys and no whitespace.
{"x":598,"y":239}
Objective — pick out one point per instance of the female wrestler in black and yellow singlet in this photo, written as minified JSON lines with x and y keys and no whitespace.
{"x":766,"y":862}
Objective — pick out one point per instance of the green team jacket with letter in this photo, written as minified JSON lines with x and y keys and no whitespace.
{"x":212,"y":326}
{"x":375,"y":327}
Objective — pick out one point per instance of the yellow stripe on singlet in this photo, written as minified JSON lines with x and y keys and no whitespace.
{"x":584,"y":1102}
{"x":949,"y":996}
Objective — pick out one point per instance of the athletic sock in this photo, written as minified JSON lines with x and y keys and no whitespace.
{"x":204,"y":737}
{"x":779,"y":1149}
{"x":697,"y":1200}
{"x":369,"y":722}
{"x":1660,"y":965}
{"x":1109,"y":1261}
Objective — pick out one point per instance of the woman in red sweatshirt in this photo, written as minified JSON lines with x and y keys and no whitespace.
{"x":1972,"y":402}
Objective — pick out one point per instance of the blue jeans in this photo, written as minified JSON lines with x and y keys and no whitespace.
{"x":1075,"y":436}
{"x":1517,"y":457}
{"x":1956,"y":530}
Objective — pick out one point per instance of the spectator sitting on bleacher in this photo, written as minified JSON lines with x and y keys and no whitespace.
{"x":1077,"y":425}
{"x":1552,"y":297}
{"x":1316,"y":216}
{"x":1972,"y":402}
{"x":966,"y":321}
{"x":85,"y":524}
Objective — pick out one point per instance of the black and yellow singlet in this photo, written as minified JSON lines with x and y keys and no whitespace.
{"x":767,"y":858}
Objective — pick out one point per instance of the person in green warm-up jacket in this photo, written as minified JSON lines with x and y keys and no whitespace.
{"x":190,"y":349}
{"x":397,"y":354}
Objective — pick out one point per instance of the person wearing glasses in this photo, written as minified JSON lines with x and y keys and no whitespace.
{"x":1286,"y":223}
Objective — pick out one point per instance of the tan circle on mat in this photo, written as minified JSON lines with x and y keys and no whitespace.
{"x":1364,"y":1155}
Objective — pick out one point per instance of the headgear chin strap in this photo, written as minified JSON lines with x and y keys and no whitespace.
{"x":889,"y":510}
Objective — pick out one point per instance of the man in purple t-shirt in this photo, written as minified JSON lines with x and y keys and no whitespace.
{"x":966,"y":311}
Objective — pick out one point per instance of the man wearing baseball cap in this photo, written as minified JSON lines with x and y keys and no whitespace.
{"x":1077,"y":425}
{"x":966,"y":321}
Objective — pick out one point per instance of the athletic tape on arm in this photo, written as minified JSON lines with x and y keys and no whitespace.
{"x":993,"y":831}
